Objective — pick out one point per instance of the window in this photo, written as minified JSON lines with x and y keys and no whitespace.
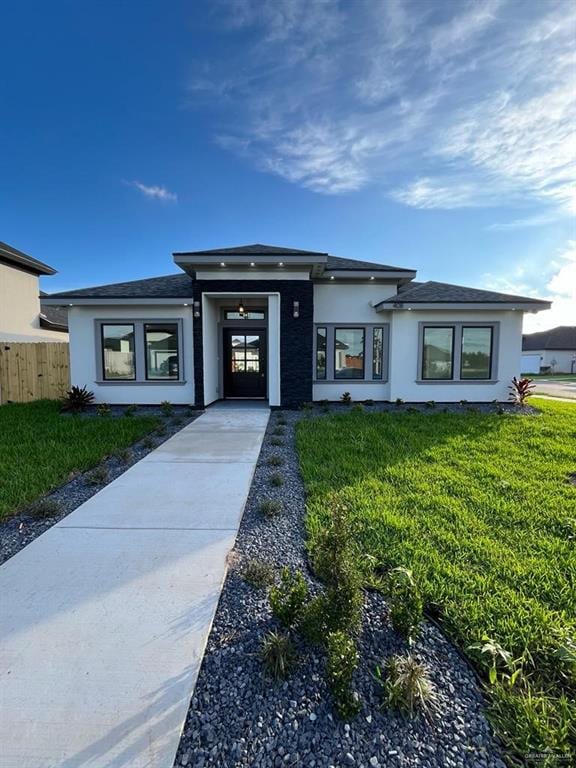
{"x":251,"y":314}
{"x":245,"y":353}
{"x":321,"y":353}
{"x":438,"y":353}
{"x":377,"y":352}
{"x":476,"y":357}
{"x":349,"y":353}
{"x":161,"y":342}
{"x":118,"y":361}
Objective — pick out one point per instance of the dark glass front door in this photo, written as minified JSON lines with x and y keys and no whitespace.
{"x":244,"y":362}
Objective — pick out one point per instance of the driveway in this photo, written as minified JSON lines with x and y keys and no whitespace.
{"x":556,"y":388}
{"x":105,"y":617}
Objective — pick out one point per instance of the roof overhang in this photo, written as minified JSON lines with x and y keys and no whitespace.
{"x":387,"y":275}
{"x":464,"y":306}
{"x":87,"y":301}
{"x":191,"y":262}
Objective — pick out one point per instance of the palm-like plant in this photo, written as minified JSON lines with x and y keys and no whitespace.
{"x":520,"y":390}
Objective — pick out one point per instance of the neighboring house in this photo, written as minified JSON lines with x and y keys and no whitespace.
{"x":551,"y":351}
{"x":22,"y":318}
{"x":292,"y":326}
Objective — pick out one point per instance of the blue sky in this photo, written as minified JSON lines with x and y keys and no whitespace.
{"x":436,"y":135}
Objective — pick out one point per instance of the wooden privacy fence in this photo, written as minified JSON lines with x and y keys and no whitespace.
{"x":33,"y":371}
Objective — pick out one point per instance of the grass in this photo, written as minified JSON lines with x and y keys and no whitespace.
{"x":479,"y":507}
{"x":39,"y":448}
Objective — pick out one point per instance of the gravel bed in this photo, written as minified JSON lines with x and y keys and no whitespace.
{"x":18,"y":531}
{"x":239,"y":717}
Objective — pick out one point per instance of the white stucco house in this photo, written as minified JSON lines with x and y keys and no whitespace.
{"x":23,"y":318}
{"x":551,"y":351}
{"x":292,"y":326}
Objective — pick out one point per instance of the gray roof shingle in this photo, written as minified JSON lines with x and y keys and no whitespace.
{"x":432,"y":292}
{"x":19,"y":259}
{"x":165,"y":287}
{"x":256,"y":249}
{"x":562,"y":337}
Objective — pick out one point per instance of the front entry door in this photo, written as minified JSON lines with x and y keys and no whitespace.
{"x":245,"y":362}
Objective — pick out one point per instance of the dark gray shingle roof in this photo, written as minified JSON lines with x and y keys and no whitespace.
{"x":445,"y":293}
{"x":336,"y":263}
{"x":13,"y":256}
{"x":166,"y":287}
{"x":256,"y":249}
{"x":562,"y":337}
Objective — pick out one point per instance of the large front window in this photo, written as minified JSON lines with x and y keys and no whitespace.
{"x":349,"y":353}
{"x":438,"y":353}
{"x":476,"y":359}
{"x":118,"y":352}
{"x":161,"y":341}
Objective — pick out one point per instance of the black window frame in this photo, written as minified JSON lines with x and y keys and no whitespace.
{"x":145,"y":325}
{"x":491,"y":359}
{"x":103,"y":349}
{"x":363,"y":369}
{"x":450,"y":328}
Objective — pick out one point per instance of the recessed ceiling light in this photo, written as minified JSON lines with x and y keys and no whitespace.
{"x":371,"y":277}
{"x":280,"y":263}
{"x":331,"y":277}
{"x":222,"y":264}
{"x":252,"y":264}
{"x":185,"y":305}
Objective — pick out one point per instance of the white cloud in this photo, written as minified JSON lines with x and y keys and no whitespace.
{"x":455,"y":36}
{"x":560,"y":290}
{"x":154,"y":192}
{"x":442,"y":193}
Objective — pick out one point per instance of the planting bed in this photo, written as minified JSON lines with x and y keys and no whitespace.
{"x":240,"y":717}
{"x":19,"y":530}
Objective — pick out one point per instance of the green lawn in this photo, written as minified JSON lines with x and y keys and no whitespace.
{"x":480,"y":508}
{"x":39,"y":447}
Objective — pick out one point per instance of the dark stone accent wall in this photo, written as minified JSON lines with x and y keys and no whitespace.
{"x":296,"y":334}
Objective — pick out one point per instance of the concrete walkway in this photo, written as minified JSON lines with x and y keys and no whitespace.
{"x":104,"y":618}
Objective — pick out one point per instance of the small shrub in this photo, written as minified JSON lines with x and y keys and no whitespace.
{"x":500,"y":411}
{"x":463,"y":402}
{"x":161,"y":429}
{"x":275,"y":460}
{"x":276,"y":441}
{"x":431,"y":404}
{"x":287,"y":600}
{"x":166,"y":408}
{"x":334,"y":550}
{"x":278,"y":655}
{"x":258,"y":573}
{"x":103,"y":409}
{"x":313,"y":625}
{"x":325,"y":409}
{"x":399,"y":401}
{"x":130,"y":410}
{"x":281,"y":420}
{"x":408,"y":686}
{"x":277,"y":479}
{"x":97,"y":476}
{"x":148,"y":443}
{"x":340,"y":667}
{"x":411,"y":409}
{"x":279,"y":431}
{"x":358,"y":408}
{"x":177,"y":420}
{"x":307,"y":407}
{"x":324,"y":403}
{"x":369,"y":401}
{"x":346,"y":398}
{"x":43,"y":508}
{"x":123,"y":455}
{"x":406,"y":604}
{"x":493,"y":659}
{"x":77,"y":400}
{"x":520,"y":390}
{"x":270,"y":507}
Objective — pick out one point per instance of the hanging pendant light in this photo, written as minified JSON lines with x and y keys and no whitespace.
{"x":241,"y":309}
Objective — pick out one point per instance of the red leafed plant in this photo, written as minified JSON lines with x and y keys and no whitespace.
{"x":520,"y":390}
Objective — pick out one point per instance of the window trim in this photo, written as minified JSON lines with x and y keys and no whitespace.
{"x":491,"y":358}
{"x":102,"y":348}
{"x":147,"y":377}
{"x":457,"y":325}
{"x":450,"y":328}
{"x":368,"y":351}
{"x":139,"y":352}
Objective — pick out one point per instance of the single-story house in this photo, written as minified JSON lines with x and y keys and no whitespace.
{"x":292,"y":326}
{"x":551,"y":351}
{"x":23,"y":317}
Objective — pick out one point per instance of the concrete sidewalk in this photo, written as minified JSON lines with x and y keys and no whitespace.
{"x":104,"y":618}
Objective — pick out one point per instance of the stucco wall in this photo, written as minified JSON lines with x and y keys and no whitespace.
{"x":336,"y":302}
{"x":83,"y":353}
{"x":20,"y":308}
{"x":404,"y":355}
{"x":562,"y":357}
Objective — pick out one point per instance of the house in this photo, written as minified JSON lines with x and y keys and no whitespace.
{"x":292,"y":326}
{"x":551,"y":351}
{"x":23,"y":317}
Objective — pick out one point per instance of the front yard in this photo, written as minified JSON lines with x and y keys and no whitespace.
{"x":482,"y":508}
{"x":40,"y":447}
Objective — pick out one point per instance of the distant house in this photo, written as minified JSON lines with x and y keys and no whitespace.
{"x":550,"y":351}
{"x":23,"y":316}
{"x":292,"y":326}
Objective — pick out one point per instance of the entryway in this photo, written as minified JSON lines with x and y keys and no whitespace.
{"x":245,"y":362}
